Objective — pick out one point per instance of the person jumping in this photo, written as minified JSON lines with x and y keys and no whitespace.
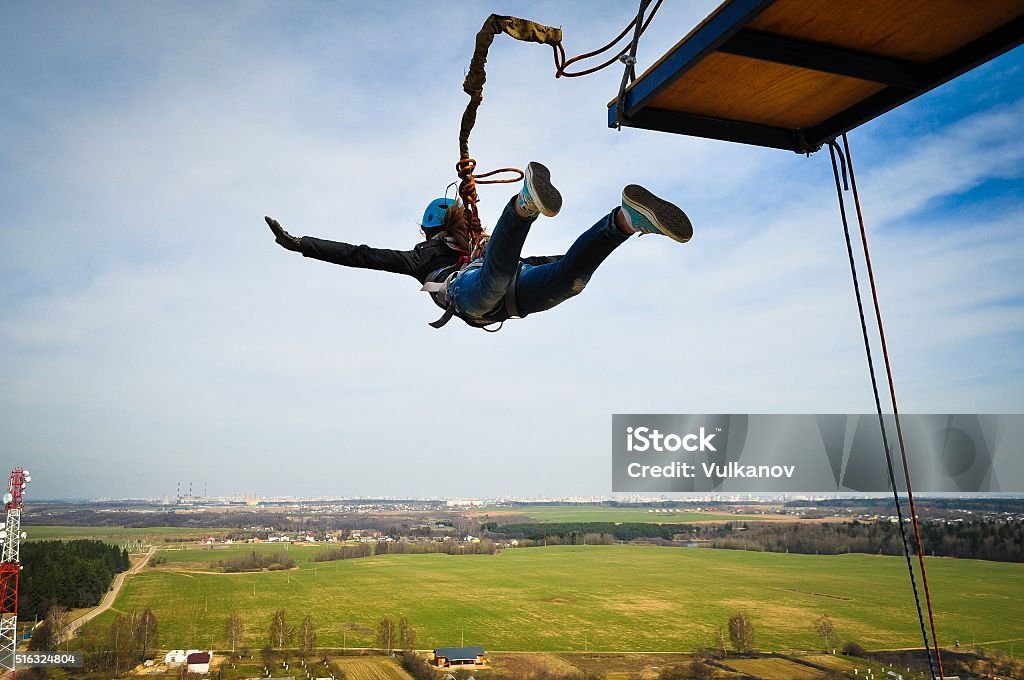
{"x":501,"y":284}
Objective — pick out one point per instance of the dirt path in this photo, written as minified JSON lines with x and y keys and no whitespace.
{"x":110,"y":596}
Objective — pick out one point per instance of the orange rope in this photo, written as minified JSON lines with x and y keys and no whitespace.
{"x":467,"y":192}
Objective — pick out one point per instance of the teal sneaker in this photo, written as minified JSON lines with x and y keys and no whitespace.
{"x":649,"y":214}
{"x":538,"y":195}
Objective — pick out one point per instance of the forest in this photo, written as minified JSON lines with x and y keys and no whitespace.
{"x":66,"y":573}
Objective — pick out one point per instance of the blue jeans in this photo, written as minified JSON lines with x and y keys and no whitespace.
{"x":479,"y":294}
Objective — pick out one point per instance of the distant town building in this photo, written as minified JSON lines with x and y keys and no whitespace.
{"x":448,"y":657}
{"x":199,"y":662}
{"x":175,"y":657}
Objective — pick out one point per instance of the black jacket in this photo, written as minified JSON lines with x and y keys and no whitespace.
{"x":425,"y":258}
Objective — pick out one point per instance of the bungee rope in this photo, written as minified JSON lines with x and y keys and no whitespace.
{"x":473,"y":85}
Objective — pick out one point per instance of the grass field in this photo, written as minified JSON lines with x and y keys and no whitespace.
{"x":584,"y":513}
{"x":117,"y":534}
{"x":568,"y":598}
{"x":192,"y":556}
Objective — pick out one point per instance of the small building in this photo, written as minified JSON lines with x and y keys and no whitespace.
{"x":175,"y":657}
{"x":199,"y":662}
{"x":448,"y":657}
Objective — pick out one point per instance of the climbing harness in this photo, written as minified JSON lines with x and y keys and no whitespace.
{"x":845,"y":167}
{"x":440,"y":281}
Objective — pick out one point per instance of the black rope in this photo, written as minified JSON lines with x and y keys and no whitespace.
{"x":629,"y":74}
{"x":834,"y":149}
{"x":895,"y":409}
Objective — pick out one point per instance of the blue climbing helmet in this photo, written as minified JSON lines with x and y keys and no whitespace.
{"x":433,"y":216}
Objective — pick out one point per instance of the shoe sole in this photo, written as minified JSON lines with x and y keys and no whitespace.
{"x":667,"y":217}
{"x":544,"y":193}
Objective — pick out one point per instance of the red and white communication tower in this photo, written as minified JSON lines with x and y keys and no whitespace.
{"x":10,"y":565}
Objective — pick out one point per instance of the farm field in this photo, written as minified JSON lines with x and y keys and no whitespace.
{"x":370,"y":668}
{"x":831,"y":661}
{"x":577,"y":513}
{"x":117,"y":534}
{"x":773,"y":668}
{"x":598,"y":598}
{"x":642,"y":666}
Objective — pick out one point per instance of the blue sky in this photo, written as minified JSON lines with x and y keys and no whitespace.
{"x":152,"y":332}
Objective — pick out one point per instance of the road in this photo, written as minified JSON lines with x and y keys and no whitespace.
{"x":108,"y":599}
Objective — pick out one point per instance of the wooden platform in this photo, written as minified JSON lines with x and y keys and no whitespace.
{"x":794,"y":74}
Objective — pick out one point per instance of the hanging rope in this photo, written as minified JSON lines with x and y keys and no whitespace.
{"x":562,"y":64}
{"x":476,"y":76}
{"x":895,"y":409}
{"x":834,"y":151}
{"x":629,"y":73}
{"x":520,"y":29}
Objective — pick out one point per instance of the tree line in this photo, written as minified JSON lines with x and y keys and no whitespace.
{"x":982,"y":540}
{"x":129,"y":639}
{"x":66,"y":574}
{"x":996,"y":540}
{"x":255,"y":561}
{"x":926,"y":506}
{"x":350,"y":552}
{"x":574,"y":532}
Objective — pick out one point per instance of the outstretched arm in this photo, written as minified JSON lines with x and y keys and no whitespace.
{"x":364,"y":257}
{"x":542,"y":259}
{"x":346,"y":254}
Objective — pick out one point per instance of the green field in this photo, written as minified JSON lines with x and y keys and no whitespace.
{"x":201,"y":556}
{"x":614,"y":598}
{"x":585,"y":513}
{"x":117,"y":534}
